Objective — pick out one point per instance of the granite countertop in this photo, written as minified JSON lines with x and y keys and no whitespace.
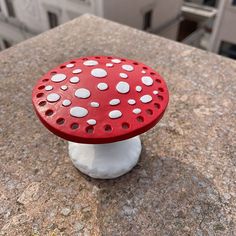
{"x":185,"y":182}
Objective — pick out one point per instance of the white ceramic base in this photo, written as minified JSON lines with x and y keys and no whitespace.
{"x":106,"y":161}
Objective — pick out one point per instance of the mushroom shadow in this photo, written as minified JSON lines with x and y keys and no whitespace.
{"x":160,"y":196}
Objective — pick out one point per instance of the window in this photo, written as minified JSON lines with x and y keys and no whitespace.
{"x":186,"y":27}
{"x":211,"y":3}
{"x":6,"y":43}
{"x":10,"y":8}
{"x":234,"y":2}
{"x":228,"y":50}
{"x":147,"y":20}
{"x":53,"y":19}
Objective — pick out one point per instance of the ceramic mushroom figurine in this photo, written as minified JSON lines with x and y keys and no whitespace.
{"x":100,"y":105}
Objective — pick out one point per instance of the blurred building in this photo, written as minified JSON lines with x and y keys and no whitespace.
{"x":209,"y":24}
{"x":21,"y":19}
{"x":223,"y":39}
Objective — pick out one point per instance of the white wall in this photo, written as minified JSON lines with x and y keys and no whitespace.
{"x":67,"y":9}
{"x":34,"y":13}
{"x":171,"y":32}
{"x":132,"y":11}
{"x":128,"y":12}
{"x":31,"y":16}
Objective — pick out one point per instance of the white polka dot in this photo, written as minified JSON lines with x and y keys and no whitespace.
{"x":131,"y":101}
{"x":70,"y":65}
{"x":92,"y":122}
{"x":138,"y":88}
{"x":48,"y":88}
{"x":122,"y":87}
{"x":82,"y":93}
{"x":98,"y":73}
{"x":77,"y":71}
{"x":58,"y":78}
{"x":155,"y":92}
{"x":53,"y":97}
{"x":137,"y":111}
{"x":94,"y":104}
{"x":74,"y":79}
{"x":109,"y":65}
{"x":66,"y":102}
{"x":123,"y":75}
{"x":114,"y":102}
{"x":64,"y":87}
{"x":147,"y":80}
{"x":128,"y":67}
{"x":90,"y":63}
{"x":115,"y":114}
{"x":117,"y":61}
{"x":143,"y":72}
{"x":78,"y":112}
{"x":146,"y":99}
{"x":102,"y":86}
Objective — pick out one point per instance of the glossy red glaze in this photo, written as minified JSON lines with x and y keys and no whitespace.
{"x":57,"y":118}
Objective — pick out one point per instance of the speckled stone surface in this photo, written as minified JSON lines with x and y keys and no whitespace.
{"x":185,"y":182}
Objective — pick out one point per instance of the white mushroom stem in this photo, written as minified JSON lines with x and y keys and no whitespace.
{"x":106,"y":161}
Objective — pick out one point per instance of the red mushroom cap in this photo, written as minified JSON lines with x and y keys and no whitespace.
{"x":100,"y":99}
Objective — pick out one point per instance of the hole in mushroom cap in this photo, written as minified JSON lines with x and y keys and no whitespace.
{"x":45,"y":80}
{"x":135,"y":63}
{"x":109,"y":57}
{"x":72,"y":62}
{"x":125,"y":125}
{"x":161,"y":90}
{"x":89,"y":129}
{"x":53,"y":72}
{"x":152,"y":73}
{"x":97,"y":57}
{"x":149,"y":111}
{"x":41,"y":87}
{"x":42,"y":103}
{"x":158,"y":81}
{"x":145,"y":68}
{"x":39,"y":95}
{"x":122,"y":59}
{"x":85,"y":59}
{"x":49,"y":112}
{"x":60,"y":121}
{"x":140,"y":119}
{"x":160,"y":97}
{"x":107,"y":128}
{"x":62,"y":67}
{"x":74,"y":126}
{"x":157,"y":105}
